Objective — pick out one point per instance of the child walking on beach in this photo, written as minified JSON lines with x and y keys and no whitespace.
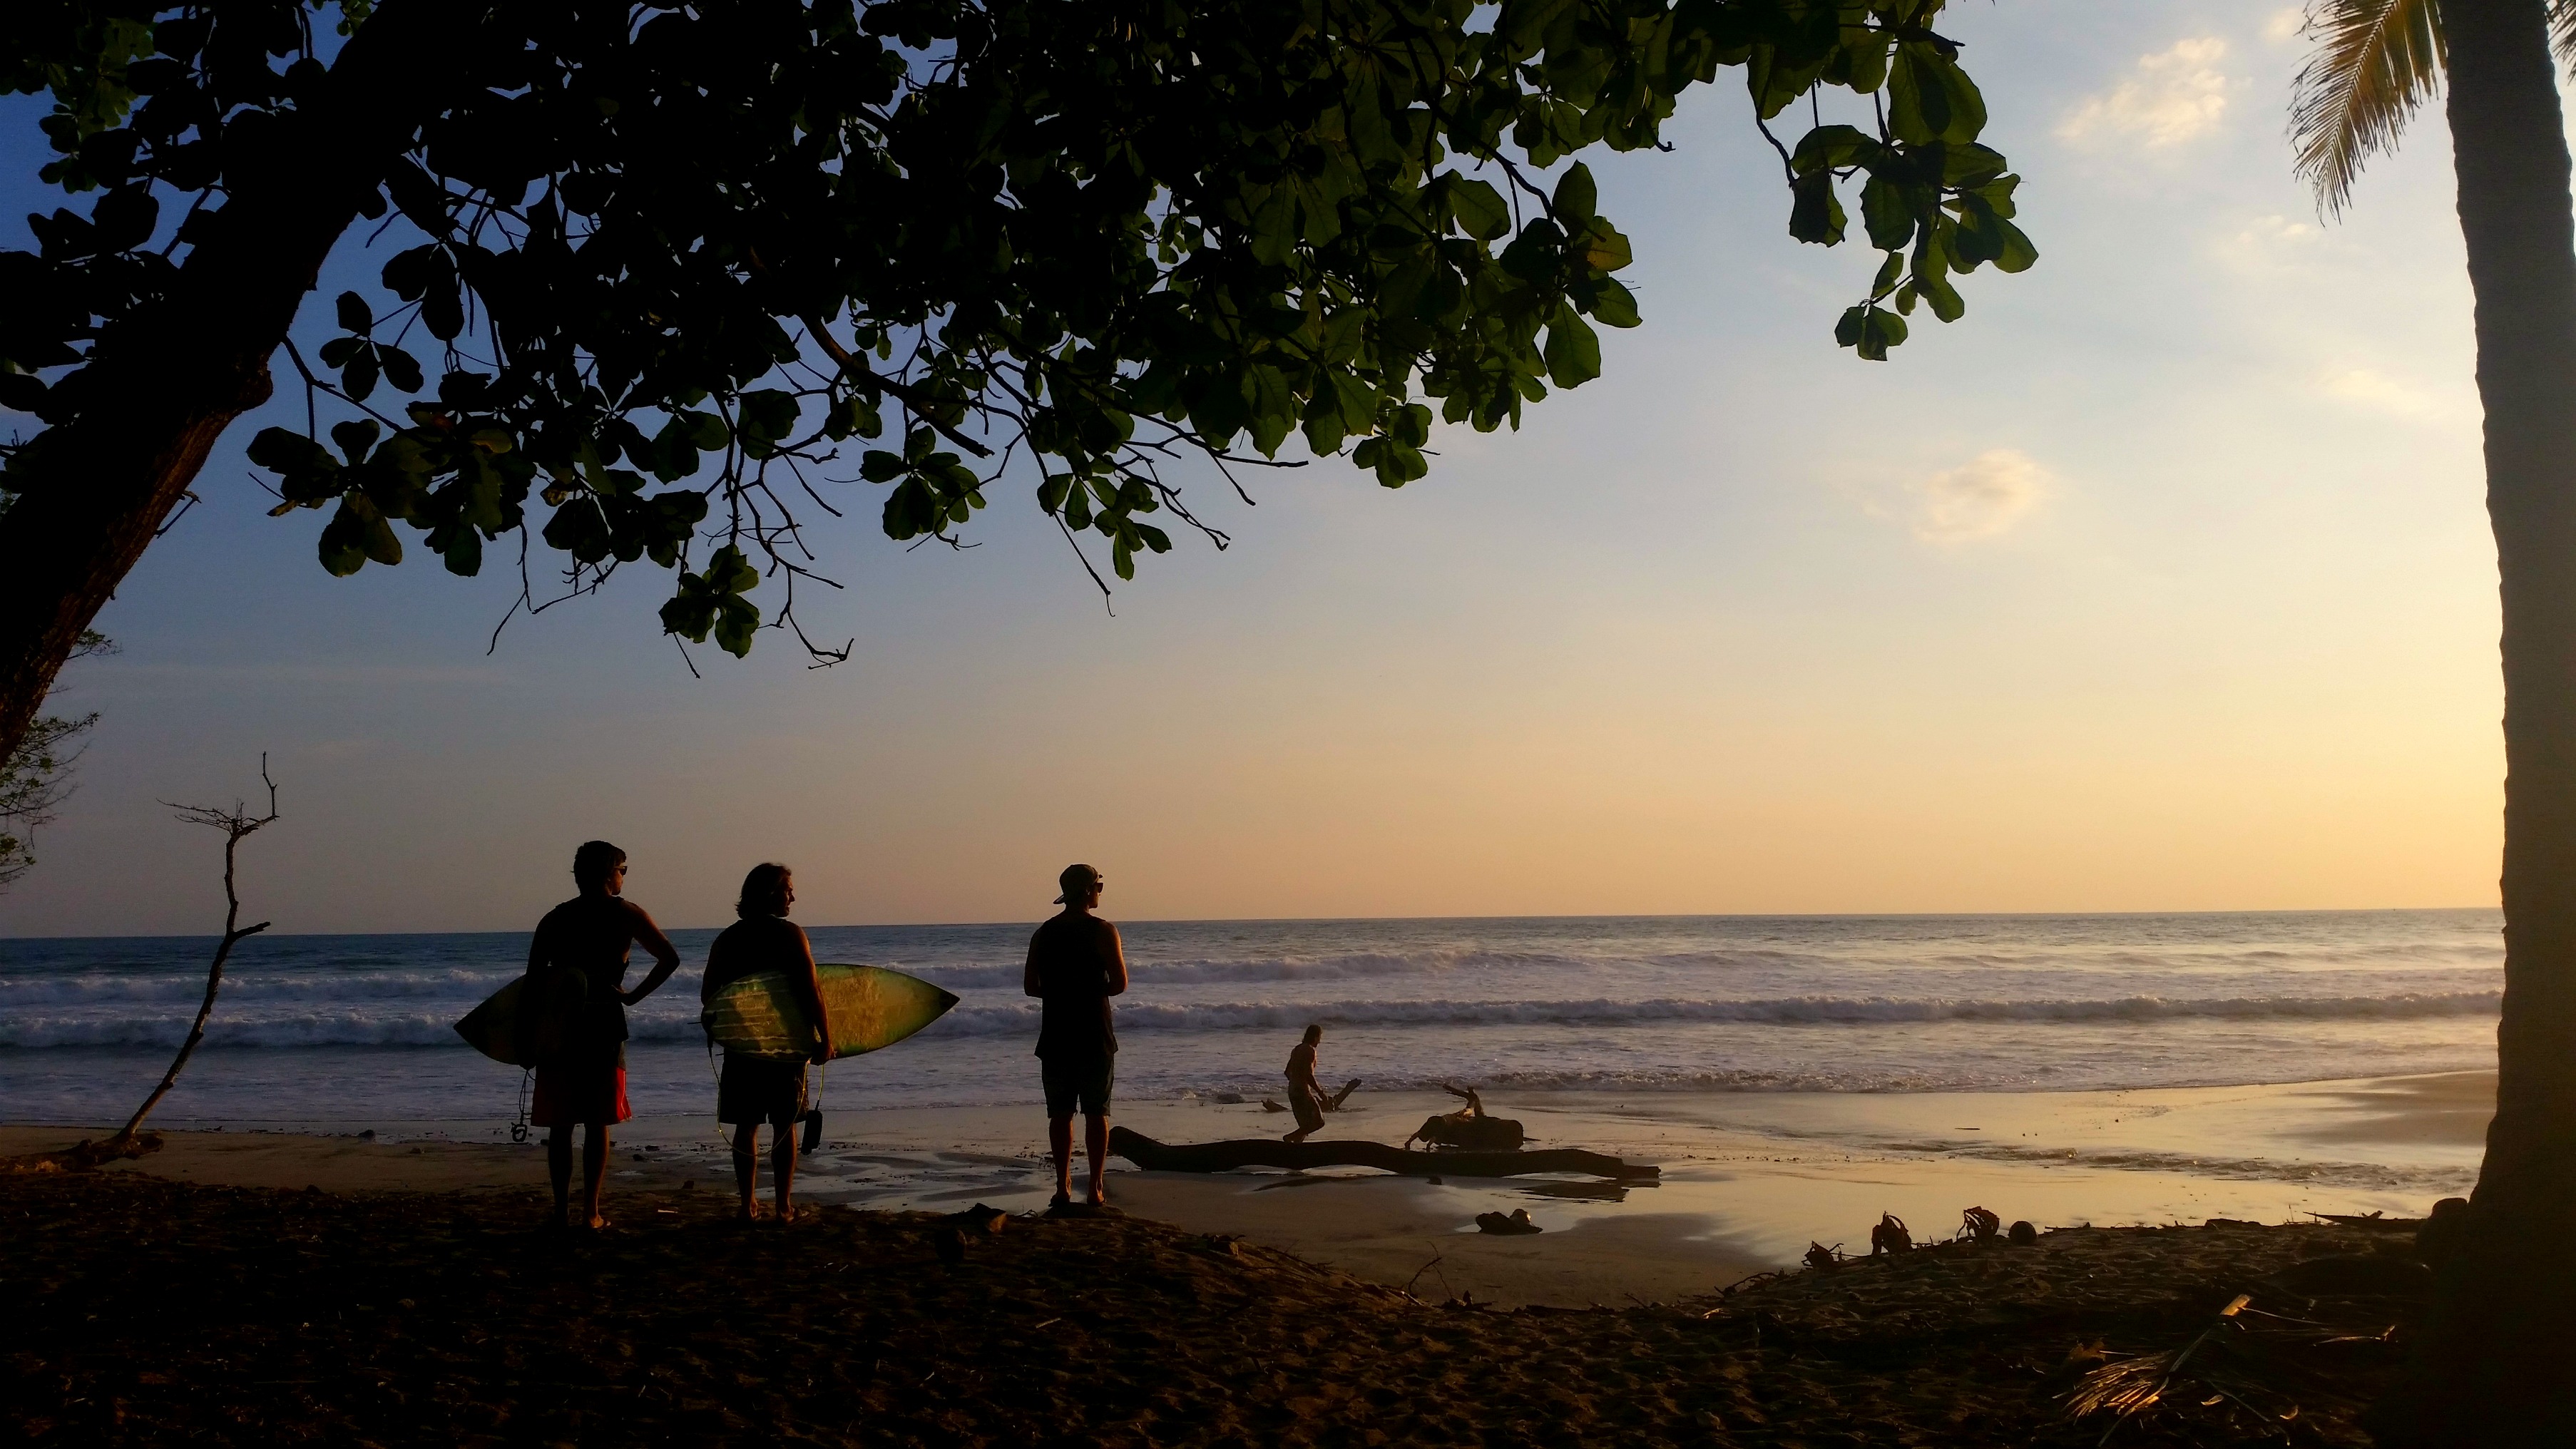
{"x":1076,"y":963}
{"x":584,"y":943}
{"x":756,"y":1089}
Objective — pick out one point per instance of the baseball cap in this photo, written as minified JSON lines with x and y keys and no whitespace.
{"x":1075,"y":878}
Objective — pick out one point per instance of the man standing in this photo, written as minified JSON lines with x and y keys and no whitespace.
{"x":579,"y":958}
{"x":1076,"y":963}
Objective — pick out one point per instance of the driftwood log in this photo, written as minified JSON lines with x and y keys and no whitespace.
{"x":1155,"y":1156}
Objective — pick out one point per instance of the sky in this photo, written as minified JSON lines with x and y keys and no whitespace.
{"x":2161,"y":581}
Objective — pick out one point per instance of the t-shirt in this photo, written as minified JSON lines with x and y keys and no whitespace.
{"x":1301,"y":1063}
{"x":591,"y":935}
{"x":1074,"y":954}
{"x":752,"y":944}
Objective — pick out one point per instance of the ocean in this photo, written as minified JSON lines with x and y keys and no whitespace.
{"x":348,"y":1029}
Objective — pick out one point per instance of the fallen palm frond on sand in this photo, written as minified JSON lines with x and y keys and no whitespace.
{"x":2257,"y":1370}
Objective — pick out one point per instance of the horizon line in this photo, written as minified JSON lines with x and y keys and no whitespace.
{"x":1348,"y":920}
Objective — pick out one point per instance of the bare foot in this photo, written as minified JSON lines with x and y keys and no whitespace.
{"x":598,"y":1224}
{"x":747,"y":1213}
{"x":1098,"y":1197}
{"x":786,"y":1212}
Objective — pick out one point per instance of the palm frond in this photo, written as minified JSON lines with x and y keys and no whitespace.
{"x":2562,"y":32}
{"x":2377,"y":61}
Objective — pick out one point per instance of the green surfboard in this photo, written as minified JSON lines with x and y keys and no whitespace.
{"x":866,"y":1008}
{"x":522,"y":1027}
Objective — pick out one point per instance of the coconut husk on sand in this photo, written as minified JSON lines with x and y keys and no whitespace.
{"x":145,"y":1311}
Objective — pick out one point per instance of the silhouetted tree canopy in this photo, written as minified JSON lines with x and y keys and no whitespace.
{"x":657,"y":276}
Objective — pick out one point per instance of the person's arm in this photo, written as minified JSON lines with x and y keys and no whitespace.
{"x":666,"y":957}
{"x":809,"y":986}
{"x":1029,"y":984}
{"x":1117,"y":962}
{"x":540,"y":949}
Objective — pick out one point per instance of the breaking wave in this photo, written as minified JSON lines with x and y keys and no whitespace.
{"x":252,"y":1019}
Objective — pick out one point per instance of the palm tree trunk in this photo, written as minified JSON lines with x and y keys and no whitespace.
{"x":162,"y":384}
{"x":2494,"y":1370}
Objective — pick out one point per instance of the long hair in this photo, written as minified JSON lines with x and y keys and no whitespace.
{"x":592,"y":863}
{"x":764,"y":891}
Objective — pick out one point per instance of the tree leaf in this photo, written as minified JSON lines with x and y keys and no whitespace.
{"x":1478,"y":207}
{"x":1815,"y":213}
{"x":1577,"y":199}
{"x":1573,"y":351}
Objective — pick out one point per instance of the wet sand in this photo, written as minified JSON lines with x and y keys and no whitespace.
{"x":1749,"y":1180}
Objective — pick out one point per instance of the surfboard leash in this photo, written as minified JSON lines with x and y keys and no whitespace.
{"x":519,"y":1128}
{"x":717,"y":1075}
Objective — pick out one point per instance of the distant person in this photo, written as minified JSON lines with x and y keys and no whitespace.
{"x":756,"y":1089}
{"x":1076,"y":963}
{"x":584,"y":1079}
{"x":1305,"y":1094}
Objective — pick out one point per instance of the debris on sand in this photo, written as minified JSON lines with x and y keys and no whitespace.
{"x":1468,"y":1129}
{"x":1890,"y":1235}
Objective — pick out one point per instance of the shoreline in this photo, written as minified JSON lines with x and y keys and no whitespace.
{"x":1749,"y":1179}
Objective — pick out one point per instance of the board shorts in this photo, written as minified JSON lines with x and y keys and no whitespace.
{"x":753,"y":1090}
{"x":572,"y":1095}
{"x":1308,"y":1104}
{"x":1079,"y":1082}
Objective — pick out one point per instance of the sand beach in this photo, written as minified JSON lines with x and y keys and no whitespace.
{"x":339,"y":1240}
{"x":305,"y":1288}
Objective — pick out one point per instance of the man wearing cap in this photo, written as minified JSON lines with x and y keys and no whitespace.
{"x":1075,"y":965}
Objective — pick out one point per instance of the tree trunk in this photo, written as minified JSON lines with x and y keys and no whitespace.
{"x":162,"y":384}
{"x":1155,"y":1156}
{"x":2494,"y":1368}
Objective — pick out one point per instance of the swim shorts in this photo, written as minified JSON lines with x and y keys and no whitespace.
{"x":1308,"y":1106}
{"x":754,"y":1090}
{"x":1078,"y":1082}
{"x":574,"y":1094}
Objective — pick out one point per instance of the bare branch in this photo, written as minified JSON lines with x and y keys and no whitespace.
{"x":911,"y":397}
{"x":237,"y":824}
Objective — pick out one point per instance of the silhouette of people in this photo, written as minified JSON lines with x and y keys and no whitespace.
{"x":1076,"y":963}
{"x":583,"y":1081}
{"x":753,"y":1089}
{"x":1305,"y":1094}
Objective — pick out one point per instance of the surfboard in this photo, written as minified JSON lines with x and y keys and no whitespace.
{"x":514,"y":1027}
{"x":866,"y":1008}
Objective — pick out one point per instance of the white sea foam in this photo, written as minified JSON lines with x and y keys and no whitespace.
{"x":392,"y":1024}
{"x":34,"y":993}
{"x":1852,"y":1004}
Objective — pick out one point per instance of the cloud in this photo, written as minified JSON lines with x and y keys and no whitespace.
{"x":2271,"y":232}
{"x":2377,"y":392}
{"x":2177,"y":95}
{"x":1979,"y":499}
{"x":2270,"y":244}
{"x":2285,"y":24}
